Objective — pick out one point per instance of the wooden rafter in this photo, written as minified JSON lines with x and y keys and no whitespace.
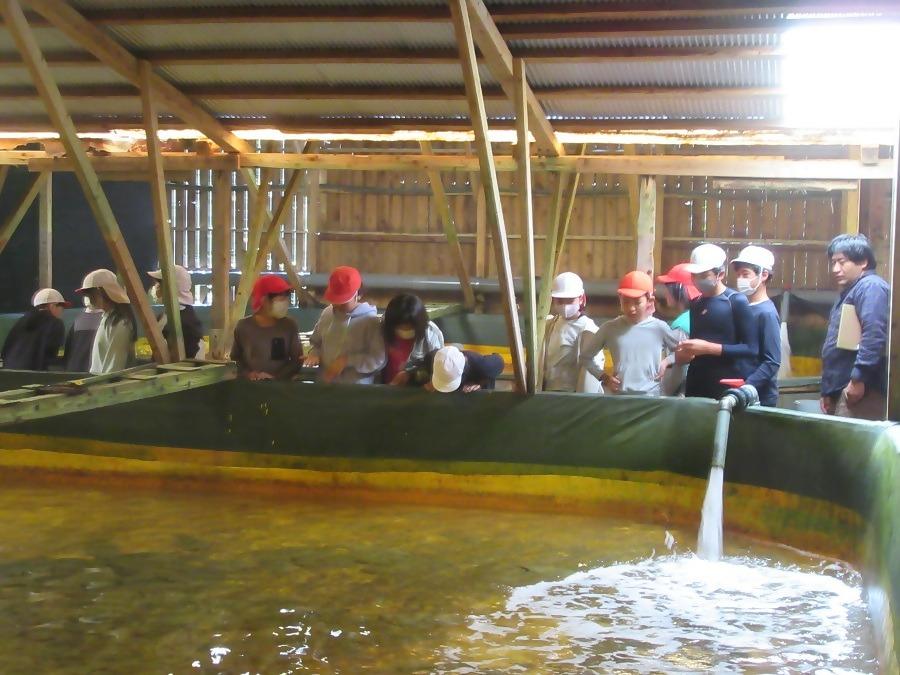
{"x":10,"y":225}
{"x":221,"y":264}
{"x":219,"y":57}
{"x":157,"y":179}
{"x":24,"y":38}
{"x":500,"y":63}
{"x":294,"y":92}
{"x":460,"y":10}
{"x":443,"y":208}
{"x":134,"y":163}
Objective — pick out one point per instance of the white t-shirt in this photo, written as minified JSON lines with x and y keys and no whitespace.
{"x":561,"y":367}
{"x":113,"y":347}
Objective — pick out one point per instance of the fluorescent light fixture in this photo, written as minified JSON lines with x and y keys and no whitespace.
{"x":842,"y":75}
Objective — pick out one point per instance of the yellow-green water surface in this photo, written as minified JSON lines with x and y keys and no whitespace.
{"x":142,"y":582}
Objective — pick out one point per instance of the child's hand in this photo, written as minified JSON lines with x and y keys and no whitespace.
{"x":401,"y":379}
{"x":612,"y":383}
{"x":311,"y":361}
{"x":336,"y":368}
{"x":258,"y":375}
{"x":469,"y":388}
{"x":692,"y":348}
{"x":663,"y":367}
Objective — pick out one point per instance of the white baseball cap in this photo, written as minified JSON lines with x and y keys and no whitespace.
{"x":757,"y":256}
{"x":184,"y":282}
{"x":49,"y":296}
{"x":567,"y":285}
{"x":105,"y":279}
{"x":447,"y":369}
{"x":706,"y":257}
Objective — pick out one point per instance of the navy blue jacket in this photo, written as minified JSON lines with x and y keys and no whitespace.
{"x":725,"y":319}
{"x":871,"y":296}
{"x":765,"y":377}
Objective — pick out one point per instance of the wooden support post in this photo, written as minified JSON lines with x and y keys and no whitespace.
{"x":459,"y":11}
{"x":221,"y":264}
{"x":157,"y":180}
{"x":315,"y":216}
{"x":443,"y":209}
{"x":850,"y":202}
{"x":646,"y":225}
{"x":547,"y":275}
{"x":4,"y":172}
{"x":659,"y":231}
{"x":565,"y":218}
{"x":17,"y":25}
{"x":11,"y":224}
{"x":893,"y":409}
{"x":526,"y":216}
{"x":481,"y":239}
{"x":633,"y":188}
{"x":45,"y":234}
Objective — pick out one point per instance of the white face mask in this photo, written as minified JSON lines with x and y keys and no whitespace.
{"x":87,"y":302}
{"x":280,"y":308}
{"x":746,"y":286}
{"x":405,"y":333}
{"x":156,"y":294}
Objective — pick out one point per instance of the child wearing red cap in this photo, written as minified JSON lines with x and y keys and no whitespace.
{"x":635,"y":339}
{"x":267,"y":344}
{"x":680,"y":292}
{"x":347,"y":342}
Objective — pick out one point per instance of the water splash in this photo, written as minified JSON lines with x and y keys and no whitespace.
{"x":678,"y":613}
{"x":709,"y":539}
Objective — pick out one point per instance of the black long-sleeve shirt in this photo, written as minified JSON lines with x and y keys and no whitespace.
{"x":765,"y":377}
{"x":34,"y":341}
{"x":724,"y":319}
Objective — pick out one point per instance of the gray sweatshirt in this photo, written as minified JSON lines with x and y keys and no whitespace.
{"x":357,"y":336}
{"x":636,"y":350}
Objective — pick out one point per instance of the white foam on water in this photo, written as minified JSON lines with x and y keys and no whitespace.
{"x":709,"y":538}
{"x":675,"y":614}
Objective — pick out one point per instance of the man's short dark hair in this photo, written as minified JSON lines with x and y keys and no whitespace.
{"x":855,"y":247}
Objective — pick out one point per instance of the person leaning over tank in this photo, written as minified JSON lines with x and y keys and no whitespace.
{"x":567,"y":330}
{"x":635,"y":339}
{"x":408,"y":336}
{"x":113,"y":346}
{"x":753,"y":269}
{"x":191,"y":328}
{"x":723,"y":342}
{"x":451,"y":369}
{"x":678,"y":293}
{"x":347,"y":343}
{"x":34,"y":340}
{"x":854,"y":360}
{"x":267,"y":343}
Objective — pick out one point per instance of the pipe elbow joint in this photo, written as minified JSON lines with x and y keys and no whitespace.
{"x":739,"y":398}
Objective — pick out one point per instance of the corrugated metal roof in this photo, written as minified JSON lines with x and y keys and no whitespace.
{"x":666,"y":107}
{"x":63,"y":76}
{"x":763,"y":38}
{"x":372,"y":108}
{"x":48,"y":38}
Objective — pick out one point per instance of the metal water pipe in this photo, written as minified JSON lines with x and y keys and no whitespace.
{"x":735,"y":399}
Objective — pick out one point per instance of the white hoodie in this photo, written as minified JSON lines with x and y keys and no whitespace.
{"x":357,"y":336}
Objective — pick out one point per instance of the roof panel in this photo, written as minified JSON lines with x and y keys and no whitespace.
{"x":757,"y":72}
{"x":700,"y":41}
{"x":63,"y":76}
{"x":666,"y":107}
{"x":371,"y":108}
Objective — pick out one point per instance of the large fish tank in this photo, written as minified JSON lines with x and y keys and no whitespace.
{"x":269,"y":527}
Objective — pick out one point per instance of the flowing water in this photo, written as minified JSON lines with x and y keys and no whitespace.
{"x":140,"y":582}
{"x":709,"y":538}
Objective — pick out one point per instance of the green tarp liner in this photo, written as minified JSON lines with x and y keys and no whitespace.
{"x":853,"y":464}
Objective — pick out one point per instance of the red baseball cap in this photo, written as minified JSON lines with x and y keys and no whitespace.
{"x":268,"y":284}
{"x":343,"y":284}
{"x":680,"y":275}
{"x":635,"y":284}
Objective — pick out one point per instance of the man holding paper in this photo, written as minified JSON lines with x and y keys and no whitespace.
{"x":854,"y":356}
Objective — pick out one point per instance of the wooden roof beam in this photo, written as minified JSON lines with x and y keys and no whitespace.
{"x":135,"y":162}
{"x":725,"y":166}
{"x":289,"y":92}
{"x":398,"y":55}
{"x":500,"y":62}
